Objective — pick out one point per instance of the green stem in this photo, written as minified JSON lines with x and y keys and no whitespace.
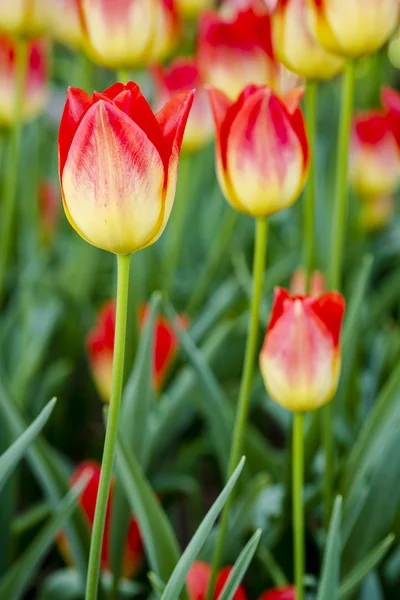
{"x":123,"y":75}
{"x":309,"y":198}
{"x":298,"y":502}
{"x":111,"y":430}
{"x":11,"y":178}
{"x":335,"y":271}
{"x":260,"y":252}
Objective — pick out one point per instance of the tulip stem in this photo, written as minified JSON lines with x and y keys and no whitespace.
{"x":111,"y":429}
{"x":11,"y":177}
{"x":298,"y":502}
{"x":309,"y":198}
{"x":260,"y":252}
{"x":335,"y":271}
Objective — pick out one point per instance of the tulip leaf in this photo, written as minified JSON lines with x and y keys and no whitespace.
{"x":330,"y":577}
{"x":369,"y":562}
{"x":11,"y":457}
{"x":178,"y":578}
{"x":240,"y":567}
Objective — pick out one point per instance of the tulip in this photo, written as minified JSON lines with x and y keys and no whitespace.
{"x":297,"y":47}
{"x":49,"y":208}
{"x":282,"y":593}
{"x":299,"y":280}
{"x":90,"y":470}
{"x":190,"y":9}
{"x":377,"y":213}
{"x":198,"y":580}
{"x":354,"y":28}
{"x":66,"y":29}
{"x":374,"y":157}
{"x":36,"y":80}
{"x":182,"y":75}
{"x":300,"y":358}
{"x":235,"y":52}
{"x":124,"y":34}
{"x":391,"y":102}
{"x":24,"y":17}
{"x":118,"y":165}
{"x":261,"y":151}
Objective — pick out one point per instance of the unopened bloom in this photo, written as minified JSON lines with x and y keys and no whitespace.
{"x":192,"y":8}
{"x":299,"y":280}
{"x":377,"y":213}
{"x":198,"y":580}
{"x":118,"y":165}
{"x":296,"y":45}
{"x":128,"y":33}
{"x":49,"y":208}
{"x":374,"y":156}
{"x":354,"y":28}
{"x":36,"y":81}
{"x":235,"y":52}
{"x":282,"y":593}
{"x":65,"y":25}
{"x":261,"y":150}
{"x":24,"y":17}
{"x":300,"y":358}
{"x":183,"y":74}
{"x":132,"y":557}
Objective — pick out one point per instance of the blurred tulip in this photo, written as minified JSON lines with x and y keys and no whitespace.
{"x":118,"y":165}
{"x":124,"y":34}
{"x":391,"y":102}
{"x":354,"y":28}
{"x":190,"y":9}
{"x":374,"y":156}
{"x":49,"y":208}
{"x":282,"y":593}
{"x":36,"y":80}
{"x":24,"y":17}
{"x":232,"y":7}
{"x":65,"y":24}
{"x":236,"y":52}
{"x":100,"y":346}
{"x":377,"y":213}
{"x":300,"y":358}
{"x":261,"y":150}
{"x":297,"y":47}
{"x":183,"y":74}
{"x":199,"y":577}
{"x":298,"y":283}
{"x":132,"y":558}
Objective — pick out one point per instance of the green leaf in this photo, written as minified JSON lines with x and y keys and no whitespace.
{"x":15,"y":582}
{"x":11,"y":457}
{"x":370,"y":562}
{"x":156,"y":583}
{"x":330,"y":577}
{"x":178,"y":577}
{"x":240,"y":567}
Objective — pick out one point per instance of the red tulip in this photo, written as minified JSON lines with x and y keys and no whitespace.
{"x":183,"y":74}
{"x":300,"y":358}
{"x":118,"y":165}
{"x":283,"y":593}
{"x":49,"y":208}
{"x":391,"y":103}
{"x":36,"y":83}
{"x":24,"y":17}
{"x":66,"y":29}
{"x":198,"y":580}
{"x":374,"y":158}
{"x":261,"y":151}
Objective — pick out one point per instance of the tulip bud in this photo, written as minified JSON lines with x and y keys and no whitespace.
{"x":261,"y":150}
{"x":297,"y":47}
{"x":377,"y":213}
{"x":374,"y":156}
{"x":236,"y":52}
{"x":198,"y":580}
{"x":24,"y":17}
{"x":118,"y":165}
{"x":354,"y":28}
{"x":49,"y":209}
{"x":190,"y":9}
{"x":300,"y":358}
{"x":66,"y":29}
{"x":182,"y":75}
{"x":36,"y":80}
{"x":124,"y":34}
{"x":90,"y":471}
{"x":298,"y":283}
{"x":282,"y":593}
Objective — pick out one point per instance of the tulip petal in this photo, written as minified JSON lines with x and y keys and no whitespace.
{"x":280,"y":296}
{"x":330,"y":309}
{"x":113,"y":181}
{"x":76,"y":106}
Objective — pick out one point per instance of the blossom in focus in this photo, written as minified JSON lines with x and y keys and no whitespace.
{"x":261,"y":149}
{"x":65,"y":25}
{"x":49,"y":208}
{"x":182,"y":74}
{"x":374,"y":156}
{"x":354,"y":28}
{"x":300,"y":358}
{"x":124,"y":34}
{"x":282,"y":593}
{"x":298,"y":283}
{"x":297,"y":47}
{"x":118,"y":165}
{"x":198,"y":580}
{"x":132,"y":557}
{"x":190,"y":9}
{"x":36,"y":81}
{"x":24,"y":17}
{"x":100,"y":347}
{"x":235,"y":52}
{"x":377,"y":213}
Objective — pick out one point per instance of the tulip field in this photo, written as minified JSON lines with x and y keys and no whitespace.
{"x":199,"y":300}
